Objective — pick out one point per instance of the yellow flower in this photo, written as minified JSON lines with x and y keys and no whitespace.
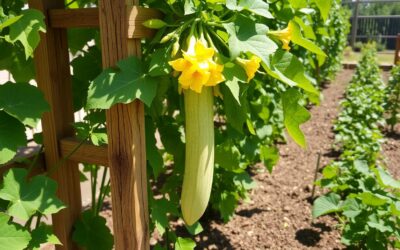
{"x":284,"y":35}
{"x":250,"y":66}
{"x":198,"y":68}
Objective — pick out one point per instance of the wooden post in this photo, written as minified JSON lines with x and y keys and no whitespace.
{"x":126,"y":140}
{"x":54,"y":79}
{"x":397,"y":52}
{"x":354,"y":26}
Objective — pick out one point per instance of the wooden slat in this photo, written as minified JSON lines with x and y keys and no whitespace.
{"x":74,"y":18}
{"x":86,"y":153}
{"x":53,"y":78}
{"x":24,"y":158}
{"x":126,"y":137}
{"x":136,"y":17}
{"x":89,"y":18}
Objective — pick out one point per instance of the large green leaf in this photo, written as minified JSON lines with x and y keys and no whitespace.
{"x":12,"y":236}
{"x":43,"y":235}
{"x":92,"y":233}
{"x":288,"y":69}
{"x":122,"y":85}
{"x":23,"y":101}
{"x":258,"y":7}
{"x":26,"y":30}
{"x":297,"y":38}
{"x":245,"y":35}
{"x":28,"y":197}
{"x":324,"y":7}
{"x":326,"y":204}
{"x":372,"y":199}
{"x":294,"y":115}
{"x":386,"y":180}
{"x":12,"y":136}
{"x":6,"y":21}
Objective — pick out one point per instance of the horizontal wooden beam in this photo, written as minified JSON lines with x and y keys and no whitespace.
{"x":89,"y":18}
{"x":24,"y":159}
{"x":74,"y":18}
{"x":85,"y":153}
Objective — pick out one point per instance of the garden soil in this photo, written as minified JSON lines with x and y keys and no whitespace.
{"x":279,"y":213}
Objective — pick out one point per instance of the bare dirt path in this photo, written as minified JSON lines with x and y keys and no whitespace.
{"x":279,"y":215}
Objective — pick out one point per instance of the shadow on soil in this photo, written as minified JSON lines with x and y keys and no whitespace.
{"x":250,"y":212}
{"x":311,"y":236}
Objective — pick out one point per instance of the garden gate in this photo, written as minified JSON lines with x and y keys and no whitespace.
{"x":120,"y":23}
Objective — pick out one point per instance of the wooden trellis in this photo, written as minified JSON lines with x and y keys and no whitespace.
{"x":120,"y":23}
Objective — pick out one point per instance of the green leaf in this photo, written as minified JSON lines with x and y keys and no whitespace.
{"x":153,"y":155}
{"x":227,"y":156}
{"x":372,"y":199}
{"x":269,"y":156}
{"x":14,"y":61}
{"x":92,"y":233}
{"x":362,"y":167}
{"x":235,"y":113}
{"x":386,"y":179}
{"x":14,"y":101}
{"x":245,"y":35}
{"x":26,"y":30}
{"x":159,"y":65}
{"x":12,"y":136}
{"x":184,"y":244}
{"x":28,"y":197}
{"x":227,"y":205}
{"x":294,"y":115}
{"x":194,"y":229}
{"x":122,"y":85}
{"x":351,"y":208}
{"x":258,"y":7}
{"x":325,"y":7}
{"x":12,"y":236}
{"x":43,"y":235}
{"x":330,"y":171}
{"x":326,"y":204}
{"x":160,"y":208}
{"x":298,"y":39}
{"x":298,"y":4}
{"x":288,"y":69}
{"x":234,"y":74}
{"x":8,"y":21}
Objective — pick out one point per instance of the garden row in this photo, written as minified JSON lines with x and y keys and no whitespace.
{"x":362,"y":193}
{"x":250,"y":112}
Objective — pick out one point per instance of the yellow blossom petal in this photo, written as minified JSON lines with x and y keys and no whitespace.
{"x":250,"y":66}
{"x":284,"y":35}
{"x":179,"y":64}
{"x":198,"y":68}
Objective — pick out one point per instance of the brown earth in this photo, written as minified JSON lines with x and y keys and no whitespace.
{"x":279,"y":214}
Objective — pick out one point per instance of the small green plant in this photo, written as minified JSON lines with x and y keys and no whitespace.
{"x":362,"y":193}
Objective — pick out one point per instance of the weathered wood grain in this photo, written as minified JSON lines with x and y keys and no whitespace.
{"x":85,"y":153}
{"x":89,"y":18}
{"x":53,"y":78}
{"x":126,"y":136}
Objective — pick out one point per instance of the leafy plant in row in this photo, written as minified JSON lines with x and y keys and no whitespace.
{"x":362,"y":193}
{"x":392,"y":102}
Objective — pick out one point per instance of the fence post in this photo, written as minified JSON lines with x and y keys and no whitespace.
{"x":54,"y":79}
{"x":354,"y":26}
{"x":397,"y":52}
{"x":126,"y":136}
